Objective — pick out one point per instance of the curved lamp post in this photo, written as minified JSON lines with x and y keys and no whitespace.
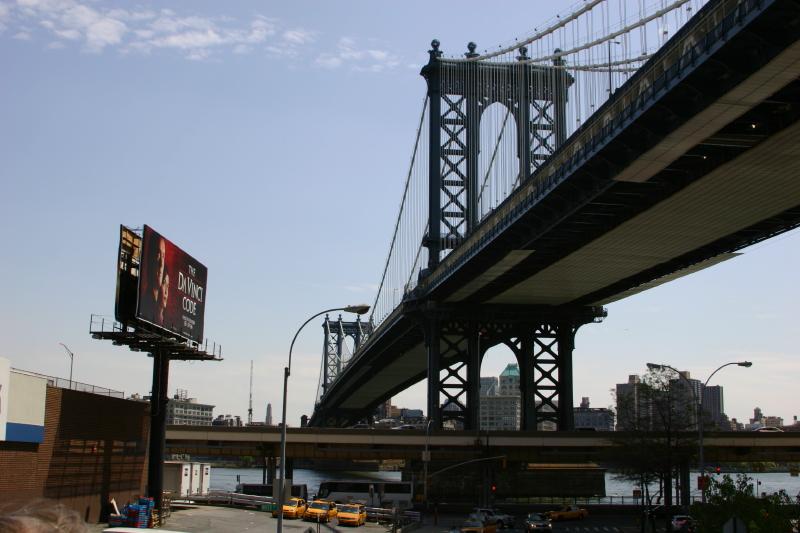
{"x":357,"y":309}
{"x":698,"y":399}
{"x":71,"y":359}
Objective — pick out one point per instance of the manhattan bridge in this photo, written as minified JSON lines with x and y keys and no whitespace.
{"x":615,"y":148}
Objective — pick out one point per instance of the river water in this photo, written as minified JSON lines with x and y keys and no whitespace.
{"x":227,"y":478}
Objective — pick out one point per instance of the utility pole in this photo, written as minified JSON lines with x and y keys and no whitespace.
{"x":250,"y":405}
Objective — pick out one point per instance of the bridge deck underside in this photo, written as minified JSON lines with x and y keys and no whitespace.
{"x":710,"y":166}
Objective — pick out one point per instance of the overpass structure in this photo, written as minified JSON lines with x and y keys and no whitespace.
{"x":693,"y":158}
{"x":453,"y":446}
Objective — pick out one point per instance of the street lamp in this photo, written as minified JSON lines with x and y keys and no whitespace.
{"x":357,"y":309}
{"x":71,"y":359}
{"x":698,"y":407}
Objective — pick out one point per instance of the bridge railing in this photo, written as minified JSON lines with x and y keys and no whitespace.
{"x":672,"y":62}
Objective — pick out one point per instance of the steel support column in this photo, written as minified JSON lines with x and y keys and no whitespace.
{"x":527,"y":386}
{"x":566,"y":342}
{"x":433,"y":239}
{"x":434,"y":361}
{"x":473,"y":141}
{"x":158,"y":419}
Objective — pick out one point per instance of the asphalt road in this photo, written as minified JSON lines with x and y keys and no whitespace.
{"x":210,"y":519}
{"x":591,"y":524}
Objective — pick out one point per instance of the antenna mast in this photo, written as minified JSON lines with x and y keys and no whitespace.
{"x":250,"y":405}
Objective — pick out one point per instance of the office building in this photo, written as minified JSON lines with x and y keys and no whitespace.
{"x":185,"y":411}
{"x":596,"y":418}
{"x":500,"y":406}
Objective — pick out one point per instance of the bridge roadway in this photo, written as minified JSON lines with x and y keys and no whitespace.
{"x":694,"y":158}
{"x":532,"y":447}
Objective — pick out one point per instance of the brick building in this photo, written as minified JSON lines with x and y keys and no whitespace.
{"x":94,"y":448}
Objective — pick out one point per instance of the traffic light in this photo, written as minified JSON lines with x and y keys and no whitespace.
{"x":718,"y":470}
{"x":494,"y":488}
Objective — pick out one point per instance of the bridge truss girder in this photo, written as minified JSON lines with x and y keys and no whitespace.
{"x":542,"y":342}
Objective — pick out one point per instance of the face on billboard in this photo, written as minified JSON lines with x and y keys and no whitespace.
{"x":172,"y":287}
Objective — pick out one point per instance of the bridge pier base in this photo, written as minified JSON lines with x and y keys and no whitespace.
{"x":542,"y":340}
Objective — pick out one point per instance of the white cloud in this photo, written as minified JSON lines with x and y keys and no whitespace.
{"x":95,"y":26}
{"x":298,"y":36}
{"x":5,"y":14}
{"x":190,"y":40}
{"x":105,"y":32}
{"x":371,"y":60}
{"x":329,"y":61}
{"x":71,"y":35}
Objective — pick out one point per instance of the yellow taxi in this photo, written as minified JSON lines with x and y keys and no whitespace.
{"x":293,"y":508}
{"x":351,"y":514}
{"x":475,"y":525}
{"x":568,"y":512}
{"x":320,"y":511}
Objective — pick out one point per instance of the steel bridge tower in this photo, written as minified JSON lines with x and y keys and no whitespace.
{"x":458,"y":336}
{"x":333,"y":349}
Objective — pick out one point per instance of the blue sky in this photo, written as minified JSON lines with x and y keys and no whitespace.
{"x":271,"y":141}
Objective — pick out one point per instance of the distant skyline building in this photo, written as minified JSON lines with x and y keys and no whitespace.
{"x":500,"y":406}
{"x":631,"y":408}
{"x":597,"y":418}
{"x":489,"y":386}
{"x":269,"y":414}
{"x":634,"y":411}
{"x":228,"y":421}
{"x":185,"y":411}
{"x":760,"y":420}
{"x":714,"y":407}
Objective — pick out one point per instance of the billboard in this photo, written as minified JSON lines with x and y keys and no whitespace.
{"x":172,"y":287}
{"x":130,"y":253}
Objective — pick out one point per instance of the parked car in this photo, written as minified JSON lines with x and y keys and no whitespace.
{"x":293,"y":508}
{"x":351,"y":514}
{"x":538,"y":522}
{"x":502,"y":519}
{"x":768,"y":429}
{"x":320,"y":511}
{"x":405,"y":426}
{"x":568,"y":512}
{"x":683,"y":522}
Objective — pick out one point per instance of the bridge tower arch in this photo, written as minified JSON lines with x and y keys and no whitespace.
{"x":542,"y":340}
{"x":459,"y":91}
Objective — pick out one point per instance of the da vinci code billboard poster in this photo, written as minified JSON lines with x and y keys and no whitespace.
{"x":172,"y":287}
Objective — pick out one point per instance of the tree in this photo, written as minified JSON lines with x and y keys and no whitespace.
{"x":657,"y":438}
{"x":726,"y":498}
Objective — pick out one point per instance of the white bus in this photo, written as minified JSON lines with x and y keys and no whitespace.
{"x":385,"y":494}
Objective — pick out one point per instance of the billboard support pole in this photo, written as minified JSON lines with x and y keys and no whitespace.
{"x":158,"y":419}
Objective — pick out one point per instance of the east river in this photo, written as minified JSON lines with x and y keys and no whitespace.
{"x":227,"y":478}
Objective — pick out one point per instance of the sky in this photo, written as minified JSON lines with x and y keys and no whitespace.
{"x":271,"y":141}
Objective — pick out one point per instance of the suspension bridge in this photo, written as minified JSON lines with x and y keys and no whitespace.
{"x":615,"y":148}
